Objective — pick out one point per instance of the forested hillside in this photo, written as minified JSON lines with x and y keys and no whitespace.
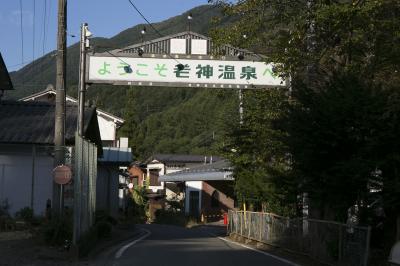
{"x":157,"y":119}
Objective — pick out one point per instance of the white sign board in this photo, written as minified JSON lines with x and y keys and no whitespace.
{"x":197,"y":73}
{"x":178,"y":46}
{"x":199,"y":47}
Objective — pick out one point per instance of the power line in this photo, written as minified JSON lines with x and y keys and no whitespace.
{"x":33,"y":36}
{"x":180,"y":65}
{"x":22,"y":31}
{"x":44,"y":36}
{"x":44,"y":27}
{"x":119,"y":58}
{"x":141,"y":14}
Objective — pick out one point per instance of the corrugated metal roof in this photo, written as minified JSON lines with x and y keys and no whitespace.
{"x":220,"y":170}
{"x":33,"y":123}
{"x":116,"y":155}
{"x":182,"y":158}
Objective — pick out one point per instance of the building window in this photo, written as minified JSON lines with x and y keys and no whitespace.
{"x":154,"y":180}
{"x":215,"y":199}
{"x":135,"y":180}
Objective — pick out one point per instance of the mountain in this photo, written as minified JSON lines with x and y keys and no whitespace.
{"x":158,"y":119}
{"x":36,"y":75}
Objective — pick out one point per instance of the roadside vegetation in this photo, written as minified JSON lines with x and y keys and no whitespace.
{"x":332,"y":135}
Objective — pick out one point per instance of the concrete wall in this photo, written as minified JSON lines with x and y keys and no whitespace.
{"x":18,"y":169}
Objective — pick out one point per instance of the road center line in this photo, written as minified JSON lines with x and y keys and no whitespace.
{"x":257,"y":250}
{"x":125,"y":247}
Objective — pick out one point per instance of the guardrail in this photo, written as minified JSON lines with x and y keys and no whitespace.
{"x":326,"y":241}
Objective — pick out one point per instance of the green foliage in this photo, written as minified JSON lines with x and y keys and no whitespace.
{"x":57,"y":231}
{"x":158,"y":120}
{"x":176,"y":120}
{"x":103,"y":216}
{"x":258,"y":153}
{"x":138,"y":206}
{"x":103,"y":229}
{"x":88,"y":241}
{"x":173,"y":217}
{"x":25,"y":214}
{"x":340,"y":123}
{"x":347,"y":35}
{"x":336,"y":139}
{"x":4,"y":207}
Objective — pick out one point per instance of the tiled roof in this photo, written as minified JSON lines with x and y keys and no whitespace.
{"x":183,"y":158}
{"x":5,"y":81}
{"x":51,"y":91}
{"x":33,"y":123}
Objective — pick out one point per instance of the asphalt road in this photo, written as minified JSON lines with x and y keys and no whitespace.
{"x":163,"y":245}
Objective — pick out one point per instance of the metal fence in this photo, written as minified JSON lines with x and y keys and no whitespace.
{"x":85,"y":174}
{"x":329,"y":242}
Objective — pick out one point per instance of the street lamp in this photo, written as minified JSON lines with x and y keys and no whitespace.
{"x":189,"y":17}
{"x":143,"y":32}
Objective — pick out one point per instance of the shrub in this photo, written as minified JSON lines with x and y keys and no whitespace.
{"x":25,"y":214}
{"x":87,"y":241}
{"x":103,"y":229}
{"x":170,"y":217}
{"x":103,"y":216}
{"x":57,"y":231}
{"x":4,"y":208}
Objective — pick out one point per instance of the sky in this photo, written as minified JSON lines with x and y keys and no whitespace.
{"x":106,"y":18}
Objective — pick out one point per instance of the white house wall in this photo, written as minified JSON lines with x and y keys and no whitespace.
{"x":107,"y":129}
{"x":16,"y":181}
{"x":193,"y":186}
{"x":161,"y":168}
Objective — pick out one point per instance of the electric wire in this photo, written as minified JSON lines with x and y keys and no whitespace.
{"x":22,"y":31}
{"x":44,"y":27}
{"x":44,"y":37}
{"x":119,"y":58}
{"x":151,"y":25}
{"x":34,"y":31}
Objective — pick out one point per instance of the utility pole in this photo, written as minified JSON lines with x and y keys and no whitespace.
{"x":84,"y":44}
{"x":59,"y":128}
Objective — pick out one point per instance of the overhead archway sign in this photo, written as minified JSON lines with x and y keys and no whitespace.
{"x":184,"y":59}
{"x":196,"y":72}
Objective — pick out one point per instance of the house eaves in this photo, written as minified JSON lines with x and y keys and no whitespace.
{"x":119,"y":121}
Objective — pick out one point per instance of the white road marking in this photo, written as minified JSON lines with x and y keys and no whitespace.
{"x":257,"y":250}
{"x":125,"y":247}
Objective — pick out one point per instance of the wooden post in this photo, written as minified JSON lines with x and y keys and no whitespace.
{"x":261,"y":224}
{"x":59,"y":127}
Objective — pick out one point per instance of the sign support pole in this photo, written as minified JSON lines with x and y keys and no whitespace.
{"x":82,"y":79}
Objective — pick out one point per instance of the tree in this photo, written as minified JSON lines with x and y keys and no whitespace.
{"x":343,"y":59}
{"x":130,"y":114}
{"x":260,"y":158}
